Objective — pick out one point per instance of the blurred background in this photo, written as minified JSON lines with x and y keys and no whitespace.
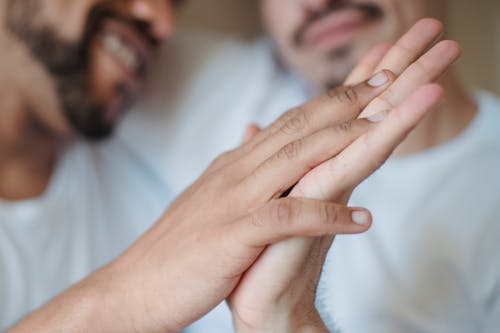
{"x":474,"y":23}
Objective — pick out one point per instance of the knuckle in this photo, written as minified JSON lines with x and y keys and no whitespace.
{"x":330,"y":214}
{"x":344,"y":127}
{"x":403,"y":50}
{"x":347,"y":95}
{"x":423,"y":69}
{"x":216,"y":183}
{"x":289,"y":114}
{"x":296,"y":122}
{"x":256,"y":220}
{"x":285,"y":211}
{"x":291,"y":150}
{"x":282,"y":120}
{"x":222,"y":160}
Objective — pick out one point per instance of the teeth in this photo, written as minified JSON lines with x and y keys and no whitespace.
{"x":128,"y":57}
{"x":111,"y":42}
{"x":116,"y":46}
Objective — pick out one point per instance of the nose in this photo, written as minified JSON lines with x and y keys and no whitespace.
{"x":159,"y":14}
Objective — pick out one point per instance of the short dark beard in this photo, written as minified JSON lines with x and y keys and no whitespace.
{"x":66,"y":62}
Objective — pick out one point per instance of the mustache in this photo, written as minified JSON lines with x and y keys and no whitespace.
{"x":100,"y":13}
{"x":76,"y":55}
{"x":372,"y":11}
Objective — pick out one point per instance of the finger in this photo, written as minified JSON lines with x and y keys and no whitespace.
{"x":251,"y":132}
{"x":339,"y":105}
{"x":366,"y":67}
{"x":409,"y":47}
{"x":292,"y":217}
{"x":336,"y":176}
{"x":285,"y":168}
{"x":426,"y":69}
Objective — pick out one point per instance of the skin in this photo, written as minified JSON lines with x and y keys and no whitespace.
{"x":154,"y":286}
{"x":283,"y":310}
{"x":286,"y":297}
{"x":239,"y":213}
{"x":329,"y":66}
{"x":34,"y":129}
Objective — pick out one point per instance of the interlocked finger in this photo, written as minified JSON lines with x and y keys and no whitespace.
{"x":364,"y":156}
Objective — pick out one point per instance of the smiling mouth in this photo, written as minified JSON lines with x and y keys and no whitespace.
{"x":129,"y":48}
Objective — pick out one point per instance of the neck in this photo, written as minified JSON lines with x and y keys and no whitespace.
{"x":28,"y":155}
{"x":445,"y":123}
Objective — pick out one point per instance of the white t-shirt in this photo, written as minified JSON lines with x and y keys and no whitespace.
{"x":430,"y":263}
{"x":100,"y":199}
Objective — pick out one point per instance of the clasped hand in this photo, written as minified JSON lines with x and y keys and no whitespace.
{"x":232,"y":235}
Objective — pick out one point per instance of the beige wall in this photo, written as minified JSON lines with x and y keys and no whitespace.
{"x":474,"y":23}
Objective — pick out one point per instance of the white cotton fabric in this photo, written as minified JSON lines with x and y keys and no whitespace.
{"x":100,"y":199}
{"x":430,"y":263}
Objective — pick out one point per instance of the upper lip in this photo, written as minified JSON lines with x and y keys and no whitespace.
{"x":333,"y":20}
{"x":331,"y":23}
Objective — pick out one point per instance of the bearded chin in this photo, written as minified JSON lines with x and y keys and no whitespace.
{"x":68,"y":65}
{"x":82,"y":113}
{"x":85,"y":115}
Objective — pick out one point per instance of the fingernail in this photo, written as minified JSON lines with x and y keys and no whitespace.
{"x":378,"y":80}
{"x":377,"y":117}
{"x":361,"y":217}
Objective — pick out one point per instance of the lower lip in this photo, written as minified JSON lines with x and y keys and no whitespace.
{"x":337,"y":30}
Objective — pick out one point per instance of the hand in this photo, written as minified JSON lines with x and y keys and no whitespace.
{"x":192,"y":259}
{"x":278,"y":295}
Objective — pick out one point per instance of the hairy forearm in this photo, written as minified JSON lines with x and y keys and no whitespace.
{"x":82,"y":308}
{"x":96,"y":304}
{"x":76,"y":310}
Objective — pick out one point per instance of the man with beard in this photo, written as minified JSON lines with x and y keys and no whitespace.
{"x":69,"y":69}
{"x":429,"y":264}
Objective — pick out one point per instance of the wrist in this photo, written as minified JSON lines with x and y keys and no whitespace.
{"x":307,"y":321}
{"x":122,"y":303}
{"x":82,"y":308}
{"x":104,"y":305}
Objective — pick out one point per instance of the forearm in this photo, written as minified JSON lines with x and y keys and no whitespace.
{"x":93,"y":305}
{"x":79,"y":309}
{"x":85,"y":307}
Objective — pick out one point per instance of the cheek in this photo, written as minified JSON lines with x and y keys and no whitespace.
{"x":281,"y":20}
{"x":68,"y":17}
{"x":396,"y":21}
